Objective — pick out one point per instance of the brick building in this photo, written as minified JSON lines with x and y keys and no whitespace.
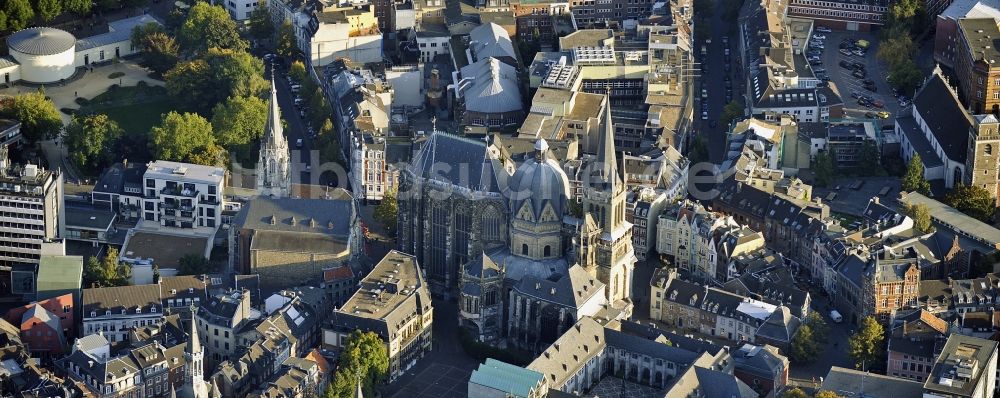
{"x":975,"y":64}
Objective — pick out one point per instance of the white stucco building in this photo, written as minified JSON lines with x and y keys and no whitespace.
{"x":49,"y":55}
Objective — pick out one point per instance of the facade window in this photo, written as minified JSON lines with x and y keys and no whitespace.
{"x":524,"y":249}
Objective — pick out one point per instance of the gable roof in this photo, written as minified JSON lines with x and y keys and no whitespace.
{"x":472,"y":164}
{"x":490,"y":40}
{"x":942,"y":112}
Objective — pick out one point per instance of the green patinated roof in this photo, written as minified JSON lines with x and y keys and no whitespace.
{"x":502,"y":376}
{"x":60,"y":272}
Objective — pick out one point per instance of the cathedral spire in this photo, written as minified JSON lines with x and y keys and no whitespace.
{"x":606,"y":150}
{"x":273,"y":131}
{"x":274,"y":164}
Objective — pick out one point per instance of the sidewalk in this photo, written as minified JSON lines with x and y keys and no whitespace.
{"x":88,"y":86}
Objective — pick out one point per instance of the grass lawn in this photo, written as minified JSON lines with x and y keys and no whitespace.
{"x":135,"y":108}
{"x":139,"y":118}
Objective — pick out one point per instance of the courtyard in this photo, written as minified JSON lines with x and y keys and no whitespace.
{"x":612,"y":387}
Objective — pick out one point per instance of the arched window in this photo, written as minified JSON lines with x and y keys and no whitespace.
{"x":988,"y":149}
{"x":524,"y":249}
{"x":547,"y":251}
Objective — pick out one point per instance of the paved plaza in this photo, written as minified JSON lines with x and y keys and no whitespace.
{"x":437,"y":381}
{"x":613,"y":387}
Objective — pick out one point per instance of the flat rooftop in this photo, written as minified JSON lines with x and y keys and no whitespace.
{"x":394,"y":279}
{"x":960,"y":365}
{"x":956,"y":220}
{"x":846,"y":382}
{"x":164,"y":170}
{"x":163,"y":249}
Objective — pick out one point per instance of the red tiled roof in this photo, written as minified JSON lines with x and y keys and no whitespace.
{"x":338,"y":273}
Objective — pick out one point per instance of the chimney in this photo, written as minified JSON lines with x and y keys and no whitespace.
{"x":875,"y":199}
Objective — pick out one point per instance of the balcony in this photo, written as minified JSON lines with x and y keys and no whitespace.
{"x":179,"y":191}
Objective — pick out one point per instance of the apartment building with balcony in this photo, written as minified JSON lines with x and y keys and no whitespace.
{"x":183,"y":195}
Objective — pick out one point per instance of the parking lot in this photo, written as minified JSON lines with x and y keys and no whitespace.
{"x":847,"y":84}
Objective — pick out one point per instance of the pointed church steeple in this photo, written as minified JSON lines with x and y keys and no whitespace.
{"x":274,"y":177}
{"x":357,"y":392}
{"x":273,"y":130}
{"x":608,"y":162}
{"x":194,"y":379}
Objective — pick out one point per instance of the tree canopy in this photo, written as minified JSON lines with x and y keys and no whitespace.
{"x":209,"y":26}
{"x":794,"y":392}
{"x":238,"y":121}
{"x":91,"y":140}
{"x":824,"y":168}
{"x":866,"y":346}
{"x":105,"y":272}
{"x":48,"y":9}
{"x":826,"y":394}
{"x":810,"y":339}
{"x":184,"y":137}
{"x":19,"y":14}
{"x":192,"y":264}
{"x":285,"y":45}
{"x":732,"y":111}
{"x":972,"y":200}
{"x":78,"y":7}
{"x":260,"y":25}
{"x":869,"y":163}
{"x":364,"y":358}
{"x":202,"y":83}
{"x":160,"y":51}
{"x":913,"y":180}
{"x":921,"y":216}
{"x":386,"y":212}
{"x":38,"y":116}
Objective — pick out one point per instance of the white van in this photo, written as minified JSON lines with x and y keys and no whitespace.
{"x":836,"y":317}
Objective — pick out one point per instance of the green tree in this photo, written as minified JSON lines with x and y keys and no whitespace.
{"x":913,"y":180}
{"x":699,"y":150}
{"x":386,"y":212}
{"x":107,"y":271}
{"x":364,"y":358}
{"x":188,"y":82}
{"x":819,"y":326}
{"x":732,"y":111}
{"x":794,"y":392}
{"x":921,"y":216}
{"x":183,"y":137}
{"x":3,"y":20}
{"x":260,"y":23}
{"x":91,"y":140}
{"x":319,"y":108}
{"x":78,"y":7}
{"x":866,"y":345}
{"x":326,"y":128}
{"x":895,"y":49}
{"x":109,"y":5}
{"x":906,"y":76}
{"x":19,"y":14}
{"x":285,"y":45}
{"x":824,"y":168}
{"x":297,"y":71}
{"x":135,"y":3}
{"x":868,"y":160}
{"x":238,"y":121}
{"x":972,"y":200}
{"x":47,"y":10}
{"x":826,"y":394}
{"x":192,"y":264}
{"x":160,"y":50}
{"x":202,"y":83}
{"x":805,"y":346}
{"x":38,"y":116}
{"x":209,"y":26}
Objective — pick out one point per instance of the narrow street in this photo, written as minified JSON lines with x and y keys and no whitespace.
{"x":713,"y":80}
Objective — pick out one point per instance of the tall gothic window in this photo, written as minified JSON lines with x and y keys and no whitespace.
{"x":491,"y":224}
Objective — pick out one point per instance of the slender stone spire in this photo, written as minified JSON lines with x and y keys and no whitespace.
{"x":608,"y":162}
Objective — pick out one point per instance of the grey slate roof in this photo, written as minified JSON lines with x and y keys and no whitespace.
{"x":490,"y":86}
{"x":780,"y":326}
{"x":909,"y":127}
{"x":939,"y":107}
{"x":490,"y":40}
{"x":540,"y":180}
{"x":41,"y":41}
{"x":848,"y":381}
{"x":571,"y":291}
{"x":316,"y":216}
{"x":460,"y":161}
{"x":118,"y":31}
{"x":116,"y":299}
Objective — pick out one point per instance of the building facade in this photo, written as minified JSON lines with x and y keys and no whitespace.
{"x":183,"y":195}
{"x":32,"y":200}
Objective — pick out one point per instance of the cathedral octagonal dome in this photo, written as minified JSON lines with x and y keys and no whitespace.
{"x":541,"y":180}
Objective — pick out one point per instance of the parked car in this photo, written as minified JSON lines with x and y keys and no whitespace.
{"x":815,"y":62}
{"x":878,"y":103}
{"x":859,"y":53}
{"x":819,"y":70}
{"x":860,"y":74}
{"x":883,"y":115}
{"x":844,"y":45}
{"x":823,"y":29}
{"x":704,"y":116}
{"x":298,"y":143}
{"x":871,"y":88}
{"x":845,"y":52}
{"x":856,"y":95}
{"x":819,"y":37}
{"x":858,"y":65}
{"x":845,"y":65}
